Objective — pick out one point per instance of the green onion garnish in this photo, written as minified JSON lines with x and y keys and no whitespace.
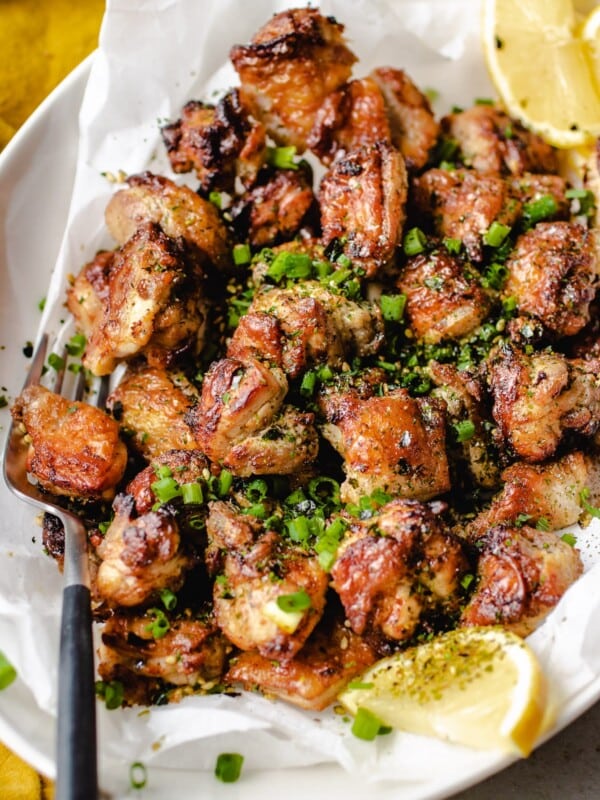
{"x":159,"y":625}
{"x":583,"y":498}
{"x":242,"y":254}
{"x":290,"y":265}
{"x":215,"y":198}
{"x":308,"y":384}
{"x":392,"y":306}
{"x":282,"y":157}
{"x":7,"y":672}
{"x":541,"y":208}
{"x":464,"y":430}
{"x":166,"y":489}
{"x":191,"y":493}
{"x":112,"y":692}
{"x":56,"y":362}
{"x":366,"y":725}
{"x":257,"y":490}
{"x":495,"y":276}
{"x":496,"y":234}
{"x":298,"y":529}
{"x":586,"y":201}
{"x":137,"y":775}
{"x":168,"y":599}
{"x":414,"y":242}
{"x":225,"y":481}
{"x":76,"y":344}
{"x":453,"y":246}
{"x":229,"y":767}
{"x":569,"y":539}
{"x":297,"y":601}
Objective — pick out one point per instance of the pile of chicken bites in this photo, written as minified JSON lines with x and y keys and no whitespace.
{"x":355,"y":410}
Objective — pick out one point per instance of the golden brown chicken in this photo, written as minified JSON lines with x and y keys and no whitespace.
{"x":88,"y":294}
{"x":443,"y":301}
{"x":521,"y":575}
{"x":150,"y":404}
{"x":397,"y":565}
{"x":553,"y":274}
{"x":540,"y":396}
{"x":74,"y":448}
{"x":292,"y":63}
{"x":269,"y":593}
{"x":530,"y":188}
{"x":363,"y":198}
{"x":395,"y":443}
{"x":218,"y":142}
{"x":491,"y":141}
{"x":140,"y":555}
{"x":180,"y":212}
{"x":155,"y":305}
{"x":332,"y":656}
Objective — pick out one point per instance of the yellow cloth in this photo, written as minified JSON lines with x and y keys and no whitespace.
{"x":41,"y":41}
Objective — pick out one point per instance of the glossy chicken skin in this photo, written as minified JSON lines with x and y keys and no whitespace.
{"x":363,"y":198}
{"x":155,"y":305}
{"x":150,"y":404}
{"x":74,"y":448}
{"x":218,"y":142}
{"x":553,"y":273}
{"x":442,"y":302}
{"x":292,"y":63}
{"x":330,"y":658}
{"x":538,"y":397}
{"x":88,"y":294}
{"x":140,"y":555}
{"x":521,"y":575}
{"x":491,"y":141}
{"x":180,"y":212}
{"x":259,"y":567}
{"x":392,"y":568}
{"x":395,"y":443}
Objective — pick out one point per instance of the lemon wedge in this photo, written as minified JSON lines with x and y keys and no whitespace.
{"x":590,"y":34}
{"x":480,"y":687}
{"x":542,"y":68}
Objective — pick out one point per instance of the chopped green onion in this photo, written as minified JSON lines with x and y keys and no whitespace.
{"x":112,"y":692}
{"x":447,"y":148}
{"x":495,"y":276}
{"x":467,"y":580}
{"x":242,"y":254}
{"x":290,"y":265}
{"x":323,"y":489}
{"x":7,"y":672}
{"x":166,"y":489}
{"x":56,"y":362}
{"x":42,"y":304}
{"x":484,"y":101}
{"x":215,"y":198}
{"x":297,"y":601}
{"x":358,"y":684}
{"x":414,"y":242}
{"x":431,"y":94}
{"x":309,"y":382}
{"x":542,"y":524}
{"x":541,"y":208}
{"x":224,"y":483}
{"x":257,"y":490}
{"x":229,"y":767}
{"x":138,"y":776}
{"x":256,"y":510}
{"x":168,"y":599}
{"x":366,"y":725}
{"x":298,"y":529}
{"x":191,"y":493}
{"x":282,"y":157}
{"x":586,"y":200}
{"x":496,"y":234}
{"x":464,"y":429}
{"x":76,"y":344}
{"x":453,"y":246}
{"x":569,"y":538}
{"x":392,"y":306}
{"x":343,"y":261}
{"x":159,"y":625}
{"x":583,"y":498}
{"x":325,"y":373}
{"x":322,"y":268}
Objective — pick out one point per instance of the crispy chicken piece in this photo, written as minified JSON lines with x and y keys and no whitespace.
{"x":291,"y":65}
{"x":553,"y":273}
{"x":491,"y":141}
{"x":414,"y":129}
{"x":395,"y":566}
{"x":537,"y":397}
{"x":275,"y":209}
{"x":88,"y":295}
{"x":331,"y":657}
{"x":349,"y":118}
{"x":317,"y":326}
{"x":521,"y":575}
{"x":155,"y":305}
{"x":549,"y":492}
{"x":462,"y":204}
{"x":363,"y":198}
{"x":150,"y":405}
{"x":530,"y":187}
{"x":74,"y":448}
{"x":464,"y":396}
{"x":394,"y":443}
{"x":187,"y":466}
{"x":218,"y":142}
{"x":140,"y":556}
{"x":180,"y":212}
{"x":192,"y":652}
{"x":260,"y":568}
{"x":443,"y":301}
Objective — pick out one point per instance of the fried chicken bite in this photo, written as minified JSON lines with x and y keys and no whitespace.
{"x":332,"y":655}
{"x":553,"y":274}
{"x":140,"y":555}
{"x":538,"y":397}
{"x":463,"y":204}
{"x":189,"y":652}
{"x":529,"y":188}
{"x":259,"y":573}
{"x":74,"y":448}
{"x":275,"y":209}
{"x":396,"y":566}
{"x":521,"y":575}
{"x":180,"y":212}
{"x":414,"y":129}
{"x":444,"y":300}
{"x":185,"y":466}
{"x":395,"y":443}
{"x":292,"y":63}
{"x":491,"y":141}
{"x":155,"y":305}
{"x":150,"y":404}
{"x":88,"y":294}
{"x":218,"y":142}
{"x":548,"y":493}
{"x":363,"y":199}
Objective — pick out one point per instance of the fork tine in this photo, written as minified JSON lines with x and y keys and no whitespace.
{"x":37,"y":364}
{"x":60,"y":374}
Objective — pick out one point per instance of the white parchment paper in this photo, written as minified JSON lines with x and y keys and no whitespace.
{"x":155,"y":55}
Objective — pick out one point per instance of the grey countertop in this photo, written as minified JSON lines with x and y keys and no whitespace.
{"x":565,"y":768}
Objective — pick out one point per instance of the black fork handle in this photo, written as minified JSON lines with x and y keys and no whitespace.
{"x":77,"y":772}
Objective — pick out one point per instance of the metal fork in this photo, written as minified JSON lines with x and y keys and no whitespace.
{"x":76,"y":756}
